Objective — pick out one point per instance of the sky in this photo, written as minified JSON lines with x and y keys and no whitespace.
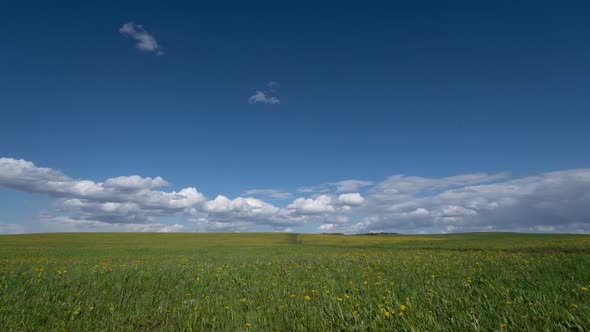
{"x":352,"y":117}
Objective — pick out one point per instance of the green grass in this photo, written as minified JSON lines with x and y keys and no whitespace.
{"x":264,"y":282}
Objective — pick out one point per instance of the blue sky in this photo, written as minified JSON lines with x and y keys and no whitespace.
{"x":494,"y":92}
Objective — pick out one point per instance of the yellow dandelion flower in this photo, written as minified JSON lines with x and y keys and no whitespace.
{"x":573,"y":305}
{"x":584,"y":289}
{"x":292,"y":296}
{"x":111,"y":309}
{"x":247,"y":325}
{"x":503,"y":325}
{"x":403,"y":307}
{"x":387,"y":314}
{"x":76,"y":312}
{"x":307,"y":297}
{"x":340,"y":299}
{"x":244,"y":300}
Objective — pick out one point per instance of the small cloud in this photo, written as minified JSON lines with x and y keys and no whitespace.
{"x":145,"y":41}
{"x":266,"y":95}
{"x":350,"y":185}
{"x":11,"y":229}
{"x":268,"y":192}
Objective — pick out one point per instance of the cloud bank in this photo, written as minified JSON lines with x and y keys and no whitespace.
{"x":549,"y":202}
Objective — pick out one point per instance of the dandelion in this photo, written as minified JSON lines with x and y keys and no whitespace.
{"x":402,"y":307}
{"x":584,"y":289}
{"x":76,"y":312}
{"x":91,"y":308}
{"x":574,"y":306}
{"x":247,"y":325}
{"x":244,"y":300}
{"x":503,"y":325}
{"x":307,"y":297}
{"x":292,"y":296}
{"x":387,"y":314}
{"x":340,"y":299}
{"x":111,"y":309}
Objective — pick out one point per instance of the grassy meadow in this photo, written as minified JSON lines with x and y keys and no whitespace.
{"x":268,"y":282}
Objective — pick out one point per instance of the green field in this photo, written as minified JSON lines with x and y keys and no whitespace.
{"x":268,"y":282}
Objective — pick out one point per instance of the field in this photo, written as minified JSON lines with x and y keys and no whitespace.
{"x":269,"y":282}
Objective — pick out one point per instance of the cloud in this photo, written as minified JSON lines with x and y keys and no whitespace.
{"x":340,"y":186}
{"x":320,"y":205}
{"x":144,"y":41}
{"x":120,"y":200}
{"x":350,"y":185}
{"x":68,"y":224}
{"x":268,"y":193}
{"x":352,"y":199}
{"x":268,"y":95}
{"x":11,"y":229}
{"x":557,"y":201}
{"x":548,"y":202}
{"x":135,"y":182}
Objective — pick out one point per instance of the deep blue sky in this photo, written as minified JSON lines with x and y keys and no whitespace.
{"x":367,"y":90}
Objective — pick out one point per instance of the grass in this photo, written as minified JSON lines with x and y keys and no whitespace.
{"x":265,"y":282}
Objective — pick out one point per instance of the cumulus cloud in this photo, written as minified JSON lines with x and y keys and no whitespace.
{"x":549,"y":202}
{"x":135,"y":182}
{"x":352,"y":199}
{"x":120,"y":200}
{"x":319,"y":205}
{"x":267,"y":95}
{"x":144,"y":41}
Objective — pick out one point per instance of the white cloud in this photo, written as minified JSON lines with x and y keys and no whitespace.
{"x":144,"y":41}
{"x":319,"y":205}
{"x":549,"y":202}
{"x":117,"y":200}
{"x":68,"y":224}
{"x":268,"y":193}
{"x":135,"y":182}
{"x":11,"y":229}
{"x":339,"y":186}
{"x":352,"y":199}
{"x":267,"y":95}
{"x":350,"y":185}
